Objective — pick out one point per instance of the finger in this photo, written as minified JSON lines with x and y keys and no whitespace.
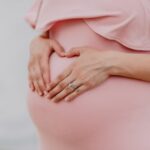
{"x":35,"y":79}
{"x":31,"y":85}
{"x":32,"y":78}
{"x":37,"y":88}
{"x":58,"y":48}
{"x":45,"y":69}
{"x":76,"y":93}
{"x":60,"y":77}
{"x":74,"y":52}
{"x":30,"y":82}
{"x":67,"y":91}
{"x":60,"y":87}
{"x":39,"y":78}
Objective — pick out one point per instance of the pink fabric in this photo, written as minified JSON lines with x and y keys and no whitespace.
{"x":125,"y":21}
{"x":113,"y":116}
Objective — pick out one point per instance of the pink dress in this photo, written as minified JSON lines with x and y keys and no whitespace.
{"x":116,"y":114}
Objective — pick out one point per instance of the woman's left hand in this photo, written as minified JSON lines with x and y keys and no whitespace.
{"x":90,"y":69}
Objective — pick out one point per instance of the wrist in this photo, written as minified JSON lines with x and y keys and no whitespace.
{"x":118,"y":63}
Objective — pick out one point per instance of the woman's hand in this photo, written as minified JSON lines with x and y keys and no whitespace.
{"x":90,"y":69}
{"x":38,"y":67}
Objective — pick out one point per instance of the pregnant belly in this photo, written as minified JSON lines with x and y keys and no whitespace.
{"x":113,"y":116}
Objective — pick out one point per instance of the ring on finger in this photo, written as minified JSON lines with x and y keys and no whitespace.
{"x":73,"y":86}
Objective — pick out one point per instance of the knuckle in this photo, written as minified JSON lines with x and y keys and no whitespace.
{"x":68,"y":89}
{"x":62,"y":85}
{"x":35,"y":82}
{"x":80,"y":81}
{"x":45,"y":76}
{"x":77,"y":91}
{"x":53,"y":84}
{"x":36,"y":78}
{"x":31,"y":78}
{"x":40,"y":82}
{"x":57,"y":89}
{"x":88,"y":84}
{"x":74,"y":75}
{"x":44,"y":72}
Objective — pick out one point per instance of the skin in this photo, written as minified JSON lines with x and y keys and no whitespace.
{"x":90,"y":69}
{"x":41,"y":48}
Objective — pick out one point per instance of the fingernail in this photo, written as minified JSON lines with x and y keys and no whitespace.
{"x":63,"y":53}
{"x":32,"y":88}
{"x":66,"y":99}
{"x":40,"y":93}
{"x":45,"y":93}
{"x":47,"y":87}
{"x":47,"y":96}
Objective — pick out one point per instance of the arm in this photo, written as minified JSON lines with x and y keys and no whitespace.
{"x":132,"y":65}
{"x":93,"y":67}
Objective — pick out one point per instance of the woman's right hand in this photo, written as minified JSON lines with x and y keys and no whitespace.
{"x":41,"y":49}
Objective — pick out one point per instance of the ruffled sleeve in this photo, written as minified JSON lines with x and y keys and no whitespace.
{"x":127,"y":22}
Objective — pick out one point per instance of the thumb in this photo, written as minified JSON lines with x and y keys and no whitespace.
{"x":58,"y":48}
{"x":73,"y":52}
